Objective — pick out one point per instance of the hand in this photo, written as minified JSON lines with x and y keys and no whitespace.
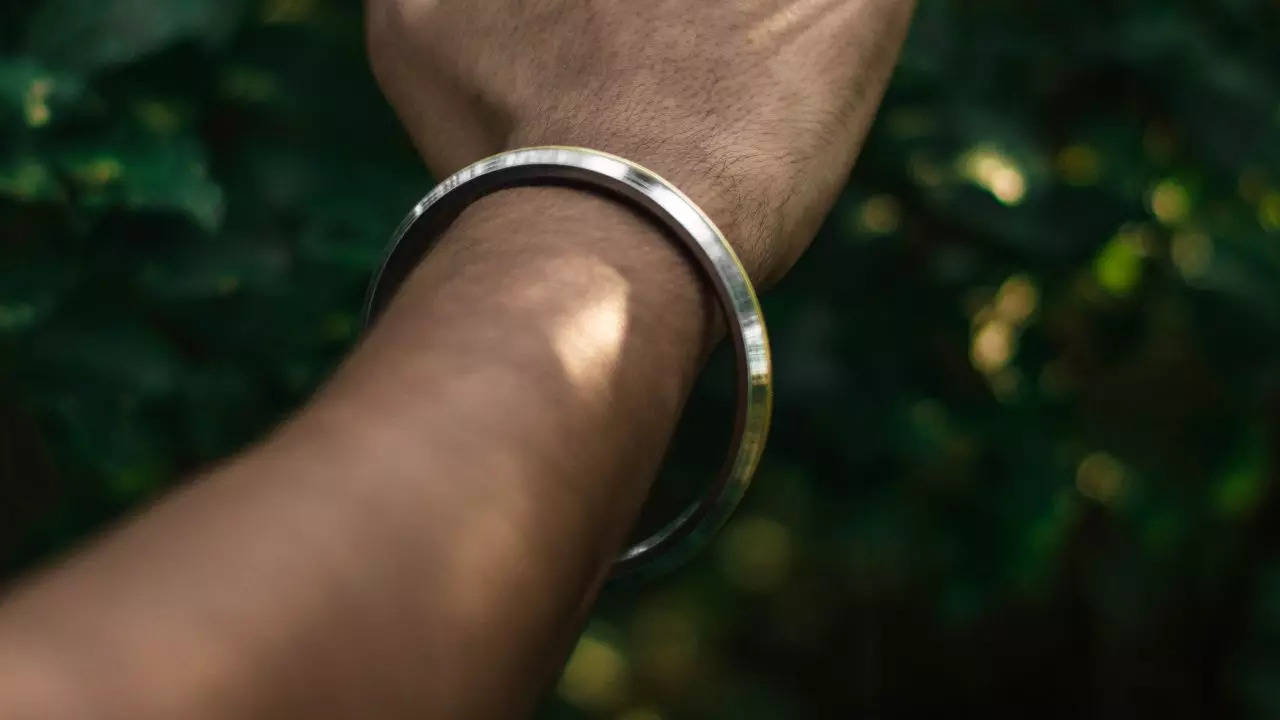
{"x":425,"y":537}
{"x":755,"y":108}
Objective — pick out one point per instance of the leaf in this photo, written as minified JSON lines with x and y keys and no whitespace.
{"x":92,"y":35}
{"x":107,"y":358}
{"x":31,"y":93}
{"x":147,"y":173}
{"x":27,"y":178}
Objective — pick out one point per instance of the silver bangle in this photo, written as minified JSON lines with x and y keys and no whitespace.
{"x":428,"y":220}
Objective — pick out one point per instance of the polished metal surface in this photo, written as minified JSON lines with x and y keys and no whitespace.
{"x":568,"y":165}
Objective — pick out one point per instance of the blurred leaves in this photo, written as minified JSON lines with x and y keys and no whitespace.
{"x":94,"y":35}
{"x":1028,"y":377}
{"x":145,"y":174}
{"x":188,"y":230}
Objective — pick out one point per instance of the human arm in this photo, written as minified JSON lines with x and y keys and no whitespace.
{"x":425,"y":536}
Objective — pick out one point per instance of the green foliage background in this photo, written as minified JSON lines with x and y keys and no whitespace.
{"x":1028,"y":378}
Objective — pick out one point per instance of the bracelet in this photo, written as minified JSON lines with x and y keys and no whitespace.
{"x":427,"y":221}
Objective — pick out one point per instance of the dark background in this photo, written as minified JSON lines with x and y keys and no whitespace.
{"x":1028,"y":379}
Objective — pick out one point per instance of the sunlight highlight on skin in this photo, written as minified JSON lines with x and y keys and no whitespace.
{"x":790,"y":15}
{"x":588,"y":341}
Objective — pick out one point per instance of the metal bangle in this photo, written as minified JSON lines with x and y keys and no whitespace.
{"x":428,"y":220}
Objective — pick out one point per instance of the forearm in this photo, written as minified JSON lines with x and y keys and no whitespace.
{"x":425,"y":536}
{"x":428,"y":532}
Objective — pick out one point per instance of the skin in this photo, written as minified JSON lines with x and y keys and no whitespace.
{"x":424,"y":538}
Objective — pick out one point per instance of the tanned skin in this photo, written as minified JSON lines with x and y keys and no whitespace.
{"x":424,"y":538}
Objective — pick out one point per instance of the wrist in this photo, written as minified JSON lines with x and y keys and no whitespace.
{"x":718,"y":176}
{"x":512,"y":405}
{"x":581,"y":309}
{"x":565,"y":235}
